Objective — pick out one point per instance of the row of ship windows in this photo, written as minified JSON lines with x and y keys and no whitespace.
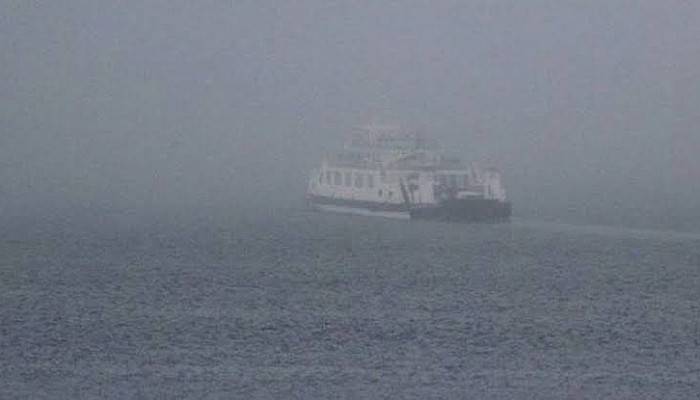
{"x":367,"y":180}
{"x":346,"y":179}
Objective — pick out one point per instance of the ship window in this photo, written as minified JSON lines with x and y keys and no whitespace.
{"x":358,"y":180}
{"x":337,"y":178}
{"x":320,"y":179}
{"x":442,"y":179}
{"x":380,"y":192}
{"x":348,"y":179}
{"x":370,"y":181}
{"x":328,"y":177}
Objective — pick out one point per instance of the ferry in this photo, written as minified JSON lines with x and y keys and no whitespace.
{"x":385,"y":171}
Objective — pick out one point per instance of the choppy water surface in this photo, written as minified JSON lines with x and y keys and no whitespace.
{"x":305,"y":305}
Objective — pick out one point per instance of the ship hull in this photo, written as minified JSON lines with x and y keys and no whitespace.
{"x":363,"y":211}
{"x":461,"y":210}
{"x":358,"y":207}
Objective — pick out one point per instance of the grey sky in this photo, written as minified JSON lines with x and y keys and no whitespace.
{"x":582,"y":104}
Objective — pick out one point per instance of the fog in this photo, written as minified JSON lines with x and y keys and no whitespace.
{"x":589,"y":108}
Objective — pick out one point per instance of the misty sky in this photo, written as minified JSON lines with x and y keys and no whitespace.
{"x":120,"y":105}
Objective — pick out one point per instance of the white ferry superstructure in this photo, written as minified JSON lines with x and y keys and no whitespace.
{"x":384,"y":171}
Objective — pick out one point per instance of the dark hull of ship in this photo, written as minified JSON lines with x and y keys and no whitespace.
{"x":462,"y":210}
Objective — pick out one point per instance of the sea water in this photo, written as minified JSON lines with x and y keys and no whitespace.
{"x":296,"y":304}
